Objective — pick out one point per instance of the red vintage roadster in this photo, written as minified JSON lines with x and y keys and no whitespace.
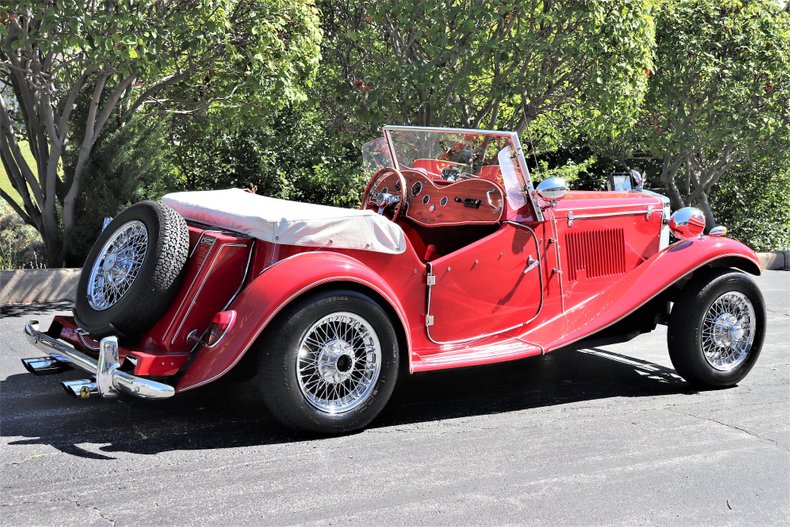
{"x":454,"y":260}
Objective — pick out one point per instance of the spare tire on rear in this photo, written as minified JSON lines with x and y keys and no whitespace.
{"x":133,"y":271}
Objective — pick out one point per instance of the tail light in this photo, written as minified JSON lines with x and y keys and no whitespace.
{"x":219,"y":325}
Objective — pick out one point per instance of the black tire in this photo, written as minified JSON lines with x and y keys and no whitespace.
{"x":688,"y":334}
{"x":147,"y":294}
{"x":279,"y":354}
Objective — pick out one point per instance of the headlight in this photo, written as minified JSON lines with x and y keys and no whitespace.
{"x":686,"y":223}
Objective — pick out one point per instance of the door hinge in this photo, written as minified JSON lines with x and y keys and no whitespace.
{"x":429,"y":320}
{"x":431,"y":279}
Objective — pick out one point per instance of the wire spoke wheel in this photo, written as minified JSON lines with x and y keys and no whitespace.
{"x":118,"y":264}
{"x":728,"y":330}
{"x":338,"y":363}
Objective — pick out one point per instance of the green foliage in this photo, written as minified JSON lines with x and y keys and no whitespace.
{"x":571,"y":171}
{"x":20,"y":244}
{"x":293,"y":155}
{"x":226,"y":93}
{"x":233,"y":58}
{"x":265,"y":49}
{"x":128,"y":165}
{"x":487,"y":64}
{"x":719,"y":97}
{"x":755,"y":207}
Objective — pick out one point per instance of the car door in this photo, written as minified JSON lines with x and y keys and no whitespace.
{"x":488,"y":287}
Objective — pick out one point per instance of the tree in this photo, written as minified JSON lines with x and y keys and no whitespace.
{"x":754,"y":203}
{"x":132,"y":59}
{"x":474,"y":63}
{"x":720,"y":95}
{"x":294,"y":154}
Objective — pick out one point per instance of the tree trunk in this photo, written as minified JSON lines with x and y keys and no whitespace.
{"x":704,"y":206}
{"x":668,"y":173}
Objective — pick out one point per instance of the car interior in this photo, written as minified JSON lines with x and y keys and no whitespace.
{"x":445,"y":208}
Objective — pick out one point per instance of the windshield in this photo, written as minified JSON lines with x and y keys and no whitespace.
{"x":453,"y":155}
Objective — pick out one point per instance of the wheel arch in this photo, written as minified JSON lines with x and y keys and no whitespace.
{"x":399,"y":324}
{"x":738,"y":262}
{"x":316,"y":272}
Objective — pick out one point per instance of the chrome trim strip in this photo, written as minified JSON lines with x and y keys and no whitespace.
{"x":499,"y":332}
{"x":243,"y":278}
{"x":611,"y":206}
{"x":401,"y":128}
{"x":641,"y":212}
{"x":110,"y":379}
{"x":202,"y":285}
{"x":558,"y":256}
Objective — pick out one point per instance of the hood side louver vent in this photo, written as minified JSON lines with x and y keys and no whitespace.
{"x":595,"y":253}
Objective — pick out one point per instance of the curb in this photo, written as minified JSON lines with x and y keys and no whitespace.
{"x":27,"y":286}
{"x":775,"y":261}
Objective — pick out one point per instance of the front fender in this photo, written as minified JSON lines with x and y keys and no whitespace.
{"x":262,"y":299}
{"x":636,"y":288}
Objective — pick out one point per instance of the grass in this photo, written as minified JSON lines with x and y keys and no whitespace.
{"x":5,"y":182}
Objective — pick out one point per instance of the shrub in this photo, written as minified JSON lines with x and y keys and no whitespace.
{"x":20,"y":244}
{"x":755,"y":208}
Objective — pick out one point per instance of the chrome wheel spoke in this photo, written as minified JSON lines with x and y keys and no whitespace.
{"x":339,"y":362}
{"x":727,"y":331}
{"x":117,"y":265}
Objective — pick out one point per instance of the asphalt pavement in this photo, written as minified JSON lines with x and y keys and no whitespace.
{"x":604,"y":436}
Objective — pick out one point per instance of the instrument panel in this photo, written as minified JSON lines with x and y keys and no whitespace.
{"x":436,"y":202}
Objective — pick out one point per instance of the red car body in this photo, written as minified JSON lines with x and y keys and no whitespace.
{"x":543,"y":276}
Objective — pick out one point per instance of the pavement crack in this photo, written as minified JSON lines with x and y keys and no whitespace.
{"x":778,"y":313}
{"x":734,"y":427}
{"x":92,"y":509}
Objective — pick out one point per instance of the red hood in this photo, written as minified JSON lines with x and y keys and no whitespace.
{"x":599,"y":201}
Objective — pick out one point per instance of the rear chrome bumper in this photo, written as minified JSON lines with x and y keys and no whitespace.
{"x":109,"y":379}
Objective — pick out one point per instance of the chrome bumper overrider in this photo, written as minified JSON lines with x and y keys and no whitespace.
{"x":109,"y":379}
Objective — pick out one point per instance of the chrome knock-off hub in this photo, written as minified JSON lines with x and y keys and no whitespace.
{"x":726,"y":330}
{"x":336,"y":361}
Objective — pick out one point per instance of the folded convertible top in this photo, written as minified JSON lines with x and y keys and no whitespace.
{"x":290,"y":222}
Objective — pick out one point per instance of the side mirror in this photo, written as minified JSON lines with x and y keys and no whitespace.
{"x":552,"y":190}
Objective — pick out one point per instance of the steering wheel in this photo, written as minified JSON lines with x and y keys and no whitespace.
{"x":383,"y":200}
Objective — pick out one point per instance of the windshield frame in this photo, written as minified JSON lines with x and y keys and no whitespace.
{"x":527,"y":187}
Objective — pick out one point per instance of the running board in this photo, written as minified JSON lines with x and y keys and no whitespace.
{"x":460,"y":355}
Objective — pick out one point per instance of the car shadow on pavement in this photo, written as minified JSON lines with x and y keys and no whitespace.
{"x":225,"y":415}
{"x":23,"y":310}
{"x":555,"y":379}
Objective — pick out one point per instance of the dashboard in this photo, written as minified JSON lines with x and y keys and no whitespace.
{"x":432,"y":201}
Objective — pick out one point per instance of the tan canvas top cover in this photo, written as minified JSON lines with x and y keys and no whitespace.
{"x":290,"y":222}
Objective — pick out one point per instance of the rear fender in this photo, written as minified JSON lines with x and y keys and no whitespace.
{"x":271,"y":291}
{"x":663,"y":270}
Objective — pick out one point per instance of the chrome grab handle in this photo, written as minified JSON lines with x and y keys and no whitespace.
{"x":491,"y":202}
{"x":531,"y":264}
